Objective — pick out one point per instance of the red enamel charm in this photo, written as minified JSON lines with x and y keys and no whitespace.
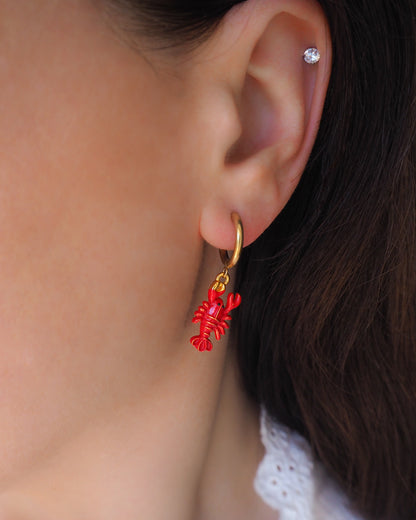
{"x":213,"y":316}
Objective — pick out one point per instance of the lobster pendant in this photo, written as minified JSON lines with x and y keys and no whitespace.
{"x":212,"y":314}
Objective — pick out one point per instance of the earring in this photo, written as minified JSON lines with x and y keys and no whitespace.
{"x":311,"y":55}
{"x":212,"y":314}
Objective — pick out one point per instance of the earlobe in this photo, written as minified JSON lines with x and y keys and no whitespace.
{"x":278,"y":101}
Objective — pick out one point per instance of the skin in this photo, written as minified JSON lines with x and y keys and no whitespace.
{"x":109,"y":199}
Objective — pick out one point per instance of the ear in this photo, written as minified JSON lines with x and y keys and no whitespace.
{"x":266,"y":111}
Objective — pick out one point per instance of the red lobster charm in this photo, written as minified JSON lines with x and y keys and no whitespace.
{"x":213,"y":315}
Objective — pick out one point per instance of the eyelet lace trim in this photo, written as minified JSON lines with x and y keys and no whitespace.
{"x":290,"y":481}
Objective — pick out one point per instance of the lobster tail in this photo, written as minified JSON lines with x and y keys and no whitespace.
{"x":201,"y":343}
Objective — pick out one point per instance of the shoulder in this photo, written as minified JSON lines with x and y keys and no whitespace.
{"x":291,"y":481}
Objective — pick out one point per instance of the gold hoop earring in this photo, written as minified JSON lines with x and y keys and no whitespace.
{"x":213,"y":314}
{"x":239,"y":239}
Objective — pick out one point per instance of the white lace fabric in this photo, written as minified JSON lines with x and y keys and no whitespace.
{"x":290,"y":481}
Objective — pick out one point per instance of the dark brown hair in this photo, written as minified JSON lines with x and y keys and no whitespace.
{"x":327,"y":334}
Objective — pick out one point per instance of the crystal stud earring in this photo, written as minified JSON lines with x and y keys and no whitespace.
{"x":311,"y":55}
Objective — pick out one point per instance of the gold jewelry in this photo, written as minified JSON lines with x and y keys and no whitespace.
{"x":213,"y":314}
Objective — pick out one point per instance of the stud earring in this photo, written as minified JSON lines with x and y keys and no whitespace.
{"x":311,"y":56}
{"x":213,"y":314}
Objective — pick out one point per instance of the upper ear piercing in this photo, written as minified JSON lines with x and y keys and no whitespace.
{"x":311,"y":55}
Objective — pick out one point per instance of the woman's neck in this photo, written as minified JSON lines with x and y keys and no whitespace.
{"x":188,"y":450}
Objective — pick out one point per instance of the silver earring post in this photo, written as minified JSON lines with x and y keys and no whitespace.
{"x":311,"y":56}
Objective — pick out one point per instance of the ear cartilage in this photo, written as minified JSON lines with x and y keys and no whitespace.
{"x":311,"y":56}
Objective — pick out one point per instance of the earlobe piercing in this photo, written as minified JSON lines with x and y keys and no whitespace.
{"x":311,"y":55}
{"x":212,"y":314}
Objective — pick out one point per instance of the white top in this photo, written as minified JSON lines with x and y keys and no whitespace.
{"x":291,"y":481}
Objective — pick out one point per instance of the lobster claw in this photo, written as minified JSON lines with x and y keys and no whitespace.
{"x":233,"y":301}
